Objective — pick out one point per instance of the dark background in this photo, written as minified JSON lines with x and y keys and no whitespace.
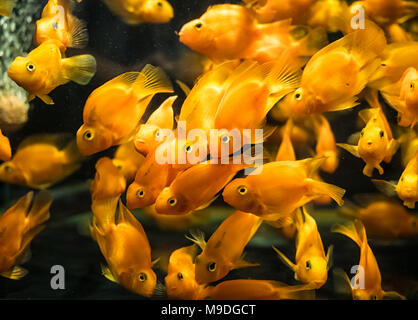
{"x":120,"y":48}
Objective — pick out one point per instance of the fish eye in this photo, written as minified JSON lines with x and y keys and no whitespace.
{"x":157,"y":134}
{"x":119,"y":167}
{"x":30,"y":67}
{"x":224,"y":138}
{"x":88,"y":135}
{"x":142,"y":277}
{"x":308,"y":265}
{"x":198,"y":26}
{"x":242,"y":190}
{"x":383,"y":64}
{"x":298,"y":95}
{"x":140,"y":193}
{"x":7,"y":168}
{"x":211,"y":266}
{"x":381,"y":133}
{"x":412,"y":85}
{"x":172,"y":202}
{"x":180,"y":276}
{"x":160,"y":4}
{"x":188,"y":148}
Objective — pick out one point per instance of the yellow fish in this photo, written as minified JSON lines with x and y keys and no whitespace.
{"x":149,"y":135}
{"x":312,"y":264}
{"x":18,"y":226}
{"x":45,"y":68}
{"x":125,"y":247}
{"x":180,"y":281}
{"x":407,"y":187}
{"x":336,"y":74}
{"x":41,"y":161}
{"x":376,"y":143}
{"x":5,"y":148}
{"x":224,"y":250}
{"x":251,"y":289}
{"x":6,"y":7}
{"x":134,"y":12}
{"x":279,"y":189}
{"x":384,"y":219}
{"x":128,"y":160}
{"x":109,"y":124}
{"x":368,"y":279}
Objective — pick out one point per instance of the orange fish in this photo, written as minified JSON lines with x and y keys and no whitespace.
{"x":368,"y":280}
{"x":45,"y":68}
{"x":195,"y":188}
{"x":396,"y":59}
{"x":180,"y":281}
{"x":312,"y":264}
{"x":224,"y":250}
{"x":251,"y":289}
{"x":128,"y":160}
{"x":150,"y":179}
{"x":336,"y":74}
{"x":376,"y":143}
{"x":242,"y":37}
{"x":108,"y":182}
{"x":386,"y":12}
{"x":58,"y":23}
{"x":279,"y":189}
{"x":107,"y":125}
{"x":149,"y":134}
{"x":41,"y":161}
{"x":406,"y":103}
{"x":134,"y":12}
{"x":125,"y":247}
{"x":326,"y":145}
{"x":273,"y":10}
{"x":18,"y":226}
{"x":395,"y":33}
{"x":5,"y":148}
{"x":6,"y":7}
{"x":332,"y":15}
{"x":407,"y":187}
{"x":384,"y":219}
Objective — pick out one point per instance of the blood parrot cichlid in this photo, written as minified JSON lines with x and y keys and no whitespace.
{"x":187,"y":192}
{"x":108,"y":124}
{"x":312,"y":265}
{"x":45,"y":68}
{"x":128,"y":160}
{"x":5,"y":148}
{"x":376,"y":143}
{"x":41,"y":161}
{"x":18,"y":226}
{"x":383,"y":218}
{"x":280,"y":188}
{"x":108,"y":182}
{"x":368,"y":277}
{"x":58,"y":23}
{"x":230,"y":31}
{"x":150,"y":134}
{"x":336,"y":74}
{"x":180,"y":281}
{"x":124,"y":245}
{"x":224,"y":250}
{"x":134,"y":12}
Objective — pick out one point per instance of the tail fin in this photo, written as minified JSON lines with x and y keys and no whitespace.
{"x":197,"y":237}
{"x":79,"y":34}
{"x":150,"y":81}
{"x":354,"y":230}
{"x":39,"y":213}
{"x":79,"y":69}
{"x":323,"y":188}
{"x":6,"y":7}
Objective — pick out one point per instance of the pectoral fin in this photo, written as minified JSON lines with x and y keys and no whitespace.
{"x":385,"y":187}
{"x":15,"y":273}
{"x":45,"y":98}
{"x":350,"y":148}
{"x":108,"y":274}
{"x":285,"y":260}
{"x":241,"y":263}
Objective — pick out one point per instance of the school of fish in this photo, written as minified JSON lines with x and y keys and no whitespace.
{"x":269,"y":67}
